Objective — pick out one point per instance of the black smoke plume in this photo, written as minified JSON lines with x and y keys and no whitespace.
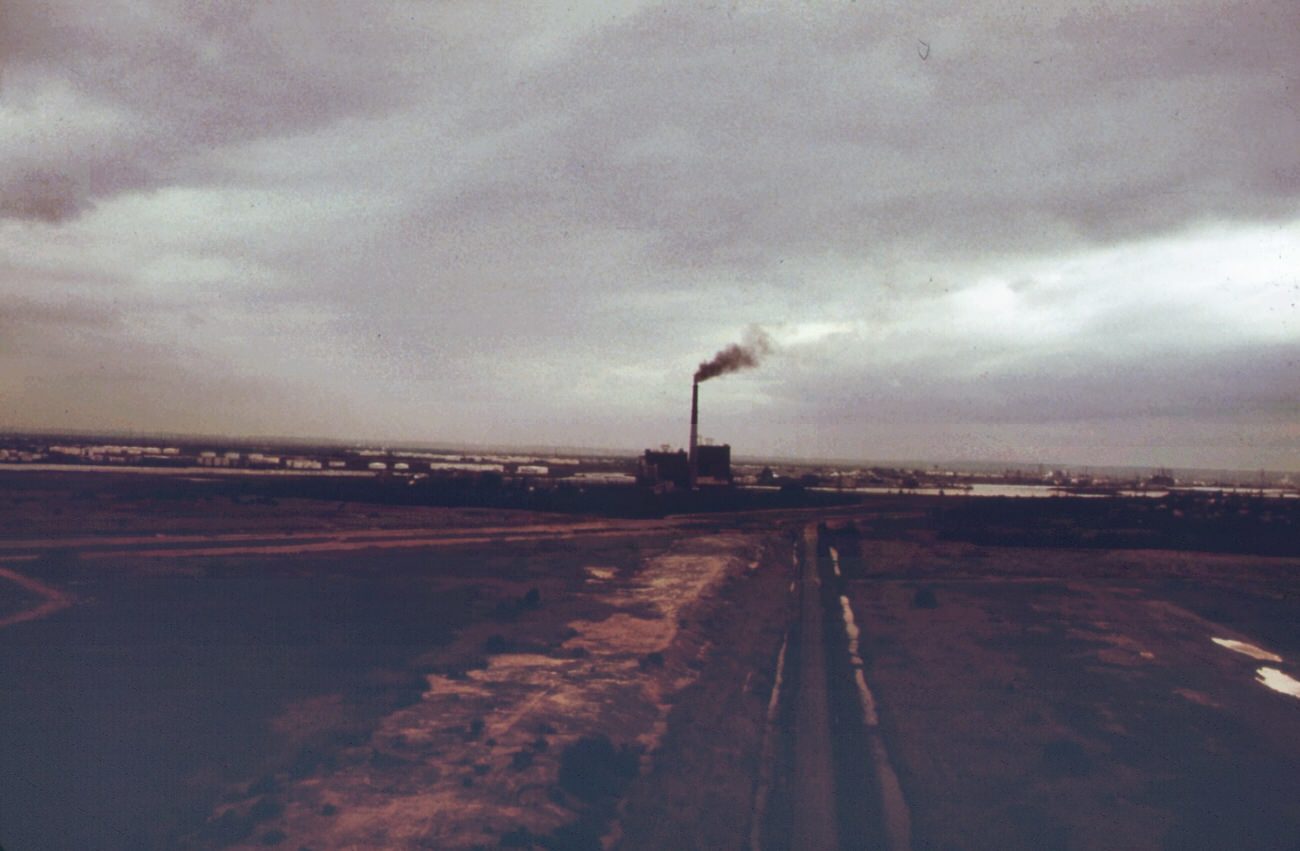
{"x":737,"y":356}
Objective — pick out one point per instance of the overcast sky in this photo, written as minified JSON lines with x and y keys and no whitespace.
{"x":1049,"y":232}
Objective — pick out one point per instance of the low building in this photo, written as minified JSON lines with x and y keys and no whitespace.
{"x":466,"y":467}
{"x":660,"y":467}
{"x":714,"y":464}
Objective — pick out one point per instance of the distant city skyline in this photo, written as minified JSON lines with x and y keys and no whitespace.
{"x":1058,"y":234}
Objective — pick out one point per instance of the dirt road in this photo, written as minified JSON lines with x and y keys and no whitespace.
{"x":814,"y":826}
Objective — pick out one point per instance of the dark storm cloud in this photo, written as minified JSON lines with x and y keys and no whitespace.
{"x":170,"y":81}
{"x":741,"y":138}
{"x":726,"y":137}
{"x":44,"y":197}
{"x":745,"y":143}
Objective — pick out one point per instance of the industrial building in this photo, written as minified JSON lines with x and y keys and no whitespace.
{"x":703,"y":465}
{"x":712,"y":464}
{"x":661,"y":467}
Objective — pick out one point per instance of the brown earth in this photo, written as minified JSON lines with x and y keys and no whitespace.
{"x":477,"y":761}
{"x":211,"y":673}
{"x":1074,"y":699}
{"x":548,"y":633}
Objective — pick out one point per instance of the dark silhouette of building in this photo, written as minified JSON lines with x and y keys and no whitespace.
{"x":659,"y":467}
{"x":713,"y":464}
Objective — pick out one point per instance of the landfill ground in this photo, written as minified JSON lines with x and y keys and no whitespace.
{"x":208,"y":673}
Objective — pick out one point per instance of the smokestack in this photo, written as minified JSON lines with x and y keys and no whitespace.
{"x":692,"y":459}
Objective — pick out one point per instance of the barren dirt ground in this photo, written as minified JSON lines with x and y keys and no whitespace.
{"x":1077,"y":699}
{"x":517,"y":678}
{"x":201,"y":674}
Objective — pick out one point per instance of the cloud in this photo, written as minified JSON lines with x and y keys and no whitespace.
{"x":742,"y":138}
{"x":452,"y":214}
{"x":138,"y":92}
{"x":1247,"y":382}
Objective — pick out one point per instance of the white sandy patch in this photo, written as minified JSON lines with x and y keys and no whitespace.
{"x":1278,"y":681}
{"x":865,"y":698}
{"x":1247,"y":649}
{"x":622,"y":633}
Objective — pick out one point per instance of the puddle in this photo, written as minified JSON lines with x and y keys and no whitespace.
{"x":1247,"y":650}
{"x":1278,"y":681}
{"x":600,"y":574}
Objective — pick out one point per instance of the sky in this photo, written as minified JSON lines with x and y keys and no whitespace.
{"x":1049,"y":232}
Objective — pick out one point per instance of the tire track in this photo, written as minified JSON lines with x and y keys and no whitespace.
{"x":54,"y":599}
